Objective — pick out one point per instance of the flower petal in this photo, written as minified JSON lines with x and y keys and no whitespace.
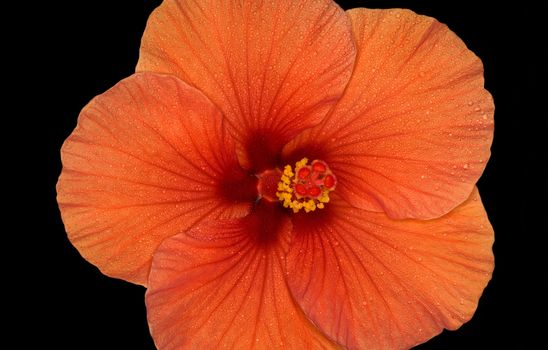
{"x":370,"y":282}
{"x":148,"y":159}
{"x":221,"y":286}
{"x":411,"y":135}
{"x":272,"y":67}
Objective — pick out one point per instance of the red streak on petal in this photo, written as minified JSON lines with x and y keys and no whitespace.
{"x":238,"y":186}
{"x":261,"y":151}
{"x":265,"y":224}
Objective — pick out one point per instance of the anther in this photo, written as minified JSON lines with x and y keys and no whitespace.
{"x":308,"y":187}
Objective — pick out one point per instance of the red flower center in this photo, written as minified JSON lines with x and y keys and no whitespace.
{"x":308,"y":187}
{"x":267,"y":186}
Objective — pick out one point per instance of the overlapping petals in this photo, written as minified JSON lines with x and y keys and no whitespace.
{"x":412,"y":133}
{"x":160,"y":177}
{"x":148,"y":159}
{"x":222,"y":285}
{"x":274,"y":68}
{"x":370,"y":282}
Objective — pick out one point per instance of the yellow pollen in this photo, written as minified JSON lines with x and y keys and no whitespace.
{"x":307,"y":187}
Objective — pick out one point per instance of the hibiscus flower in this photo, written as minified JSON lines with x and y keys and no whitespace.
{"x":285,"y":174}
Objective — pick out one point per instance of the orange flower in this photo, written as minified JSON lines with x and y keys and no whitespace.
{"x":288,"y":175}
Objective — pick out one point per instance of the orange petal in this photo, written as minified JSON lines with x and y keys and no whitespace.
{"x":148,"y":160}
{"x":411,"y":134}
{"x":272,"y":67}
{"x":221,"y":286}
{"x":370,"y":282}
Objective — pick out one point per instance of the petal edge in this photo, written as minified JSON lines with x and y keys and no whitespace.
{"x":217,"y":286}
{"x":274,"y":68}
{"x":412,"y":133}
{"x":147,"y":160}
{"x":370,"y":282}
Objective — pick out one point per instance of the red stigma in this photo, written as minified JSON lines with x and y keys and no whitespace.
{"x":312,"y":179}
{"x":300,"y":189}
{"x":314,"y":191}
{"x":319,"y":166}
{"x":303,"y":173}
{"x":329,"y":181}
{"x":308,"y":187}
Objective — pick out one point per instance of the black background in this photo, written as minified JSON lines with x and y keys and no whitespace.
{"x":81,"y":48}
